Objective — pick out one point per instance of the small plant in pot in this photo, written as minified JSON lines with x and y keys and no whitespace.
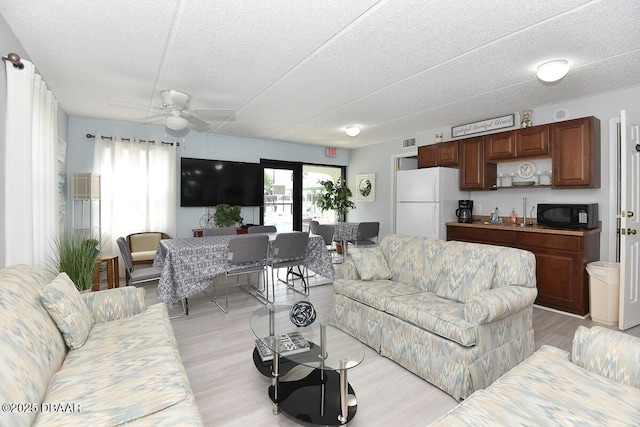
{"x":76,"y":254}
{"x":227,"y":215}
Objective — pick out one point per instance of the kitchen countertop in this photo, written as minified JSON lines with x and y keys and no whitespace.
{"x":480,"y":223}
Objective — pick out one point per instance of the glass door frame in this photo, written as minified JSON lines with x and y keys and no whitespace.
{"x":296,"y":168}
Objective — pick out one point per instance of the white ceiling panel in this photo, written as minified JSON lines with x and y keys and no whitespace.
{"x":300,"y":70}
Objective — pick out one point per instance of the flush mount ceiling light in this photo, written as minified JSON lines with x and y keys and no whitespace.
{"x":352,"y":130}
{"x":176,"y":121}
{"x":553,"y":71}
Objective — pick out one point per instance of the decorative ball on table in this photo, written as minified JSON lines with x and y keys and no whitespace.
{"x":302,"y":313}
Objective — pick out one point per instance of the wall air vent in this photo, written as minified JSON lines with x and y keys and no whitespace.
{"x":408,"y":143}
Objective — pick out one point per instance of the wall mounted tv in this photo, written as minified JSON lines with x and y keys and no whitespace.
{"x":205,"y":182}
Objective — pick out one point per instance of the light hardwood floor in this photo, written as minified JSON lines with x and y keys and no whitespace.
{"x":217,"y":349}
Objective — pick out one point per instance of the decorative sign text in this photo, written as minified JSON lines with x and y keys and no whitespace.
{"x":483,"y":126}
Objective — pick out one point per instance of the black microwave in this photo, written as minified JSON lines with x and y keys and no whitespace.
{"x":569,"y":215}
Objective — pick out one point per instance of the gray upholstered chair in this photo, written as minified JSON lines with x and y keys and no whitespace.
{"x":289,"y":251}
{"x":143,"y":246}
{"x":247,"y":254}
{"x":222,"y":231}
{"x":313,"y":226}
{"x":327,"y":231}
{"x":141,"y":275}
{"x":367,"y":232}
{"x":262,"y":229}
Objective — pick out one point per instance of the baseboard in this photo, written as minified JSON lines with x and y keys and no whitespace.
{"x":577,"y":316}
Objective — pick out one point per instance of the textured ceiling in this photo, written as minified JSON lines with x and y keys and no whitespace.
{"x":301,"y":70}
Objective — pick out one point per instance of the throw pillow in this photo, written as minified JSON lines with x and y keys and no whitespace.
{"x":462,"y":277}
{"x":371,"y":264}
{"x":68,"y":309}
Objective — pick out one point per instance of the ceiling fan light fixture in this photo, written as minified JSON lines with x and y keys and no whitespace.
{"x":352,"y":130}
{"x":553,"y":71}
{"x":175,"y":122}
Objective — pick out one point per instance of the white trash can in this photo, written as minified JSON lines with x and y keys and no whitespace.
{"x":604,"y":291}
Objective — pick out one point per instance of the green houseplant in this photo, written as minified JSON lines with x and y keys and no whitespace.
{"x":76,"y":254}
{"x":227,"y":215}
{"x":337,"y":197}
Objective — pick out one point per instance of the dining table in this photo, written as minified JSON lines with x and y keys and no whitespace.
{"x":189,"y":265}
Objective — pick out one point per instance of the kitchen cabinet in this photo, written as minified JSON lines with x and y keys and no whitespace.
{"x":500,"y":145}
{"x":520,"y":143}
{"x":428,"y":156}
{"x":561,"y":257}
{"x":575,"y":153}
{"x":441,"y":154}
{"x":448,"y":154}
{"x":533,"y":141}
{"x":475,"y":172}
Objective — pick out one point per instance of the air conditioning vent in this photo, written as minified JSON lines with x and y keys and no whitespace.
{"x":408,"y":143}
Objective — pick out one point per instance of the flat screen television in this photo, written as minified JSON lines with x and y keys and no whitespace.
{"x":205,"y":182}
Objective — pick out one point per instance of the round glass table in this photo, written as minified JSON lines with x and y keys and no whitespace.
{"x":324,"y":396}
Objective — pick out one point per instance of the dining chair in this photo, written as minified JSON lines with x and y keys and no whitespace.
{"x":247,"y":254}
{"x":141,"y":275}
{"x":289,"y":251}
{"x":222,"y":231}
{"x":143,"y":246}
{"x":313,"y":226}
{"x":262,"y":229}
{"x":367,"y":232}
{"x":327,"y":231}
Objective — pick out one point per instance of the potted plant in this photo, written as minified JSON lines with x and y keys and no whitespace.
{"x":76,"y":254}
{"x":227,"y":215}
{"x":337,"y":197}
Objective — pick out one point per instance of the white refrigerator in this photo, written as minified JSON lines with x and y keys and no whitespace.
{"x":425,"y":200}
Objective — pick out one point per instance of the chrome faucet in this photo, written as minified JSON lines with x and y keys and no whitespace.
{"x":524,"y":214}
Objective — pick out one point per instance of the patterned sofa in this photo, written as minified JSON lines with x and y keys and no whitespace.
{"x":598,"y":386}
{"x":87,"y":359}
{"x":457,"y":314}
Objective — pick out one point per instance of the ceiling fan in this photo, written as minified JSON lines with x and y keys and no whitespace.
{"x":176,"y":113}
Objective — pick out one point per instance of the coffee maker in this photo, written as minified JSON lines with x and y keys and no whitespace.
{"x":465,"y":211}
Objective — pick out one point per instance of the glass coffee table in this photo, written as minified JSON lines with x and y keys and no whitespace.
{"x":324,"y":396}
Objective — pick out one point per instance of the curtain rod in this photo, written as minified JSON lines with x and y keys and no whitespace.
{"x":89,"y":136}
{"x":14,"y":58}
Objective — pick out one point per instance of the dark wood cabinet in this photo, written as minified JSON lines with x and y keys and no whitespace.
{"x":428,"y":156}
{"x":562,"y":280}
{"x":492,"y":236}
{"x":475,"y":172}
{"x":533,"y":141}
{"x":500,"y":145}
{"x":575,"y":153}
{"x":448,"y":154}
{"x":441,"y":154}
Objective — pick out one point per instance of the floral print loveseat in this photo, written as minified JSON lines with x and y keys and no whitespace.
{"x":457,"y":314}
{"x":87,"y":359}
{"x":599,"y":385}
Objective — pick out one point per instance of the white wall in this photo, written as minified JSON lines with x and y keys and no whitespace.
{"x":197,"y":145}
{"x":606,"y":107}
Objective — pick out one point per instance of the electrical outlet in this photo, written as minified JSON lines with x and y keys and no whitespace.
{"x":478,"y":208}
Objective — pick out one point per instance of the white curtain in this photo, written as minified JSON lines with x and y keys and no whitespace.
{"x":30,"y":168}
{"x":138,"y":188}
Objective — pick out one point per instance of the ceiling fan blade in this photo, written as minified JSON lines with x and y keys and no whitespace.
{"x":214,"y":115}
{"x":196,"y":122}
{"x":128,"y":104}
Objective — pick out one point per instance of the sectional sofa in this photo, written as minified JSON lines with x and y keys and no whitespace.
{"x":457,"y":314}
{"x":87,"y":359}
{"x":599,"y":385}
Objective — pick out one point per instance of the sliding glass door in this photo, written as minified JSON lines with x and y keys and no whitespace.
{"x":291,"y":191}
